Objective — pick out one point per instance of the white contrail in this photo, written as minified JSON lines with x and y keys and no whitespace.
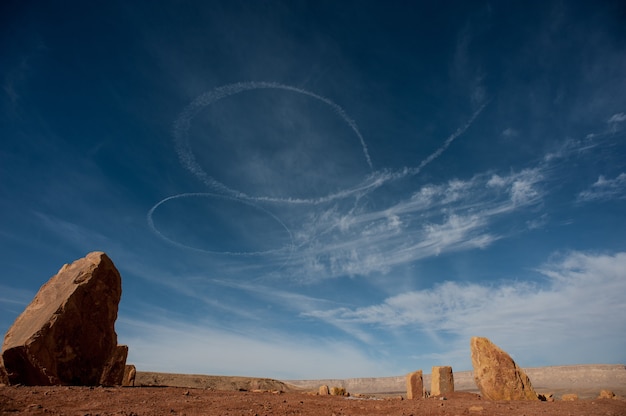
{"x":183,"y":123}
{"x":374,"y":180}
{"x":154,"y":228}
{"x":447,"y":143}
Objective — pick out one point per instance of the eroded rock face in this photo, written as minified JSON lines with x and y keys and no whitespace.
{"x":496,"y":374}
{"x":4,"y":378}
{"x":66,"y":335}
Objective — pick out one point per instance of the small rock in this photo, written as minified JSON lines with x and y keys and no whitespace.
{"x":130,"y":373}
{"x":547,"y":397}
{"x":570,"y":397}
{"x":606,"y":394}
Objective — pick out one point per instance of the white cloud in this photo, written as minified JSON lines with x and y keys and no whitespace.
{"x":436,"y":219}
{"x":584,"y":294}
{"x":523,"y":188}
{"x":177,"y":346}
{"x":617,"y":118}
{"x":509,"y":132}
{"x":605,"y":189}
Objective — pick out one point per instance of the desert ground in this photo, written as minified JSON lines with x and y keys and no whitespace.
{"x":182,"y":394}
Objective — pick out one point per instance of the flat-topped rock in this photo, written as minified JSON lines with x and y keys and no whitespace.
{"x":442,"y":381}
{"x":414,"y":385}
{"x":66,"y":335}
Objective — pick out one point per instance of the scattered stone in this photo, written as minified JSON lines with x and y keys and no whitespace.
{"x":570,"y":397}
{"x":547,"y":397}
{"x":475,"y":409}
{"x":606,"y":394}
{"x":130,"y":372}
{"x":496,"y":374}
{"x":66,"y":335}
{"x":414,"y":385}
{"x":324,"y":390}
{"x":113,"y":373}
{"x":441,"y":381}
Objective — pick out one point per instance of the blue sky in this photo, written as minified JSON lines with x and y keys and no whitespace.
{"x":323,"y":189}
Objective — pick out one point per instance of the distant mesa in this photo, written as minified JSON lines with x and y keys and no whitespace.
{"x":66,"y":335}
{"x":496,"y":374}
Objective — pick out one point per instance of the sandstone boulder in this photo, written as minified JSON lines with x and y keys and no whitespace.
{"x":441,"y":381}
{"x":66,"y":335}
{"x":496,"y":374}
{"x":113,"y":372}
{"x":414,"y":385}
{"x":324,"y":390}
{"x":130,"y":372}
{"x":606,"y":394}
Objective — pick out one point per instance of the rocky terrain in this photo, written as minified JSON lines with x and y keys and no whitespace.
{"x":140,"y":401}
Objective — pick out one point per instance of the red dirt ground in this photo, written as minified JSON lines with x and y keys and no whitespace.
{"x":140,"y":401}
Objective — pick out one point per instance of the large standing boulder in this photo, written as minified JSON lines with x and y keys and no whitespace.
{"x":414,"y":385}
{"x":441,"y":381}
{"x":496,"y":374}
{"x":66,"y":335}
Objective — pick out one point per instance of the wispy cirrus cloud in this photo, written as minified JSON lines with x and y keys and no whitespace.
{"x":617,"y":118}
{"x":605,"y":189}
{"x":436,"y":219}
{"x":181,"y":346}
{"x":582,"y":290}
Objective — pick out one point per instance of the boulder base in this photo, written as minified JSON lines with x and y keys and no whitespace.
{"x":66,"y":335}
{"x":496,"y":374}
